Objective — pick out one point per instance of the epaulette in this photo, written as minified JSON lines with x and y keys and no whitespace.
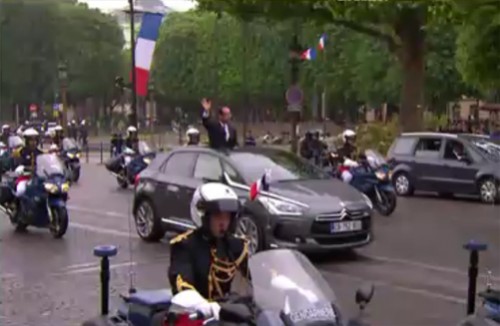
{"x":181,"y":237}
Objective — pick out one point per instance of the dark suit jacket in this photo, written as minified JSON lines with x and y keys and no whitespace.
{"x":217,"y":133}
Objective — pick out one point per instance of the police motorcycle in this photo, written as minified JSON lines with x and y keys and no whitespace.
{"x":371,"y":176}
{"x":43,"y":205}
{"x":126,"y":166}
{"x":70,"y":155}
{"x":287,"y":290}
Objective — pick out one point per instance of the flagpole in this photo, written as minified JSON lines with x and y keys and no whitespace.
{"x":133,"y":113}
{"x":323,"y":94}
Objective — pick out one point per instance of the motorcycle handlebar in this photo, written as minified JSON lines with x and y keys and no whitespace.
{"x":196,"y":315}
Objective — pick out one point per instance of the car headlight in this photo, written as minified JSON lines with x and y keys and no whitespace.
{"x":380,"y":175}
{"x":50,"y":187}
{"x":70,"y":155}
{"x":147,"y":160}
{"x":65,"y":187}
{"x":368,"y":201}
{"x":279,"y":207}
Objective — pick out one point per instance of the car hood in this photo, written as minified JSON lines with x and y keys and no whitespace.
{"x":322,"y":196}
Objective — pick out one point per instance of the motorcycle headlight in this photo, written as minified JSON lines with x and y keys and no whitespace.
{"x":78,"y":155}
{"x":147,"y":160}
{"x":279,"y":207}
{"x":380,"y":175}
{"x":50,"y":187}
{"x":70,"y":155}
{"x":65,"y":187}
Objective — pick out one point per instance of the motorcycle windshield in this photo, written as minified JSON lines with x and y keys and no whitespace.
{"x":375,"y":159}
{"x":285,"y":281}
{"x":15,"y":141}
{"x":48,"y":164}
{"x":144,"y":148}
{"x":69,"y":144}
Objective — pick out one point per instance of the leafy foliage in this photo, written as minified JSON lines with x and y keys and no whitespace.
{"x":37,"y":35}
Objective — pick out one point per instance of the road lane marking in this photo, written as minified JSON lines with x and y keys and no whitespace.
{"x":95,"y":212}
{"x":431,"y":267}
{"x":422,"y":292}
{"x":100,"y":230}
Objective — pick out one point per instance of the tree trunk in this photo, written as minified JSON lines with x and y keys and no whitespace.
{"x":411,"y":55}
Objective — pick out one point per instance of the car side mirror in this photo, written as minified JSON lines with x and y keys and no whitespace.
{"x":364,"y":295}
{"x":235,"y":313}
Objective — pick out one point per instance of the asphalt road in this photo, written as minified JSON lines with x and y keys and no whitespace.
{"x":416,"y":263}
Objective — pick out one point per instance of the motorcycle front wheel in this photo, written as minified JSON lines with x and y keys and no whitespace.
{"x":385,"y":202}
{"x":60,"y":220}
{"x":122,"y":182}
{"x":76,"y":175}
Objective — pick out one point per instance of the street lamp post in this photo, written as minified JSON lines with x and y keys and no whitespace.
{"x":152,"y":108}
{"x":63,"y":79}
{"x":133,"y":113}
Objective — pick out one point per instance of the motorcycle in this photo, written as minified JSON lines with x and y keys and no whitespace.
{"x":287,"y":290}
{"x":129,"y":164}
{"x":372,"y":176}
{"x":43,"y":205}
{"x":70,"y":155}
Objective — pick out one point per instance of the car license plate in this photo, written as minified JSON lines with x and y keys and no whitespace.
{"x":346,"y":226}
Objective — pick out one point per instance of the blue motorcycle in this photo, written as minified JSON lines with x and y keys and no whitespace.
{"x":43,"y":205}
{"x":373,"y":178}
{"x":130,"y":163}
{"x":70,"y":155}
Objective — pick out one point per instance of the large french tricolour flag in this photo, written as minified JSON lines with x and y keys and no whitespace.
{"x":144,"y":50}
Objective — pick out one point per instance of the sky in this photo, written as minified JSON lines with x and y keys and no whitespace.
{"x":108,"y":5}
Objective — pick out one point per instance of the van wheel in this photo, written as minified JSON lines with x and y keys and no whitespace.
{"x":402,"y":184}
{"x":489,"y":191}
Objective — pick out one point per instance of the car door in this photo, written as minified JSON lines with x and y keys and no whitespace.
{"x":207,"y":168}
{"x":428,"y":166}
{"x":460,"y":175}
{"x":175,"y":176}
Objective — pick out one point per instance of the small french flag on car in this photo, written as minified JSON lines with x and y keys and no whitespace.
{"x":262,"y":184}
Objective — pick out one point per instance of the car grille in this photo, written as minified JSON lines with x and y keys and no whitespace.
{"x":343,"y":214}
{"x":343,"y":240}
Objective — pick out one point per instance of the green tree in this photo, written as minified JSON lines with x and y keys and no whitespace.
{"x":478,"y":47}
{"x":399,"y":24}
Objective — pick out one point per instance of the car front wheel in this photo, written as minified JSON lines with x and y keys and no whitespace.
{"x":147,"y":223}
{"x":489,"y":191}
{"x":402,"y":184}
{"x":250,"y":229}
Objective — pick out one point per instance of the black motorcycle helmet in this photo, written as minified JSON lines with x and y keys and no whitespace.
{"x":211,"y":198}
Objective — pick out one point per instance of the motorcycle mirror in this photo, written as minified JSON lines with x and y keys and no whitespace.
{"x":188,"y":299}
{"x":235,"y":313}
{"x":364,"y":295}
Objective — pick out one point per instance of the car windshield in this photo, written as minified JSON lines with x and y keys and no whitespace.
{"x":375,"y":159}
{"x":68,"y":144}
{"x":285,"y":280}
{"x":283,"y":166}
{"x":15,"y":141}
{"x":486,"y":147}
{"x":144,"y":148}
{"x":48,"y":164}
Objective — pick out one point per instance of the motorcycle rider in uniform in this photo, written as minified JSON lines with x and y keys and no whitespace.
{"x":25,"y":159}
{"x":57,"y":135}
{"x":348,"y":149}
{"x":132,"y":139}
{"x":193,"y":136}
{"x":206,"y":259}
{"x":6,"y":133}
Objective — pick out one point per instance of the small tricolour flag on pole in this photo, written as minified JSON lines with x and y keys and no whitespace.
{"x":321,"y":42}
{"x":144,"y":50}
{"x":260,"y":185}
{"x":309,"y":54}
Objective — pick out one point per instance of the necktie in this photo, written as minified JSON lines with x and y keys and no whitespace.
{"x":226,"y":131}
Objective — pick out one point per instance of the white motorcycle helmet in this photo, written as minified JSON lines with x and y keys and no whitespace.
{"x":212,"y":198}
{"x":348,"y":134}
{"x":131,"y":130}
